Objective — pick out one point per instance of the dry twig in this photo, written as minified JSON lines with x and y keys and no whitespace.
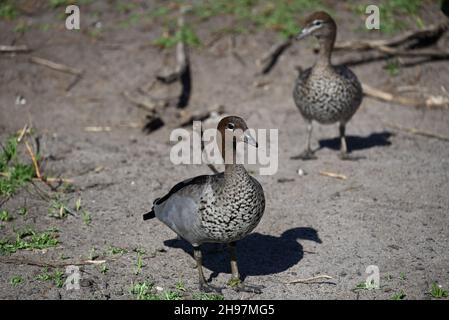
{"x":33,"y":159}
{"x":55,"y":66}
{"x":305,"y":280}
{"x":418,"y":132}
{"x":268,"y":61}
{"x":9,"y":49}
{"x":50,"y":264}
{"x":333,"y":175}
{"x":430,"y":102}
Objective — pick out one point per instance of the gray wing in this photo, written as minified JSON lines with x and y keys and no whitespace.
{"x":179,"y":208}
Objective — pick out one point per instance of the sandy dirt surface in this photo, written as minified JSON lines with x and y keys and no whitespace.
{"x":392,"y":211}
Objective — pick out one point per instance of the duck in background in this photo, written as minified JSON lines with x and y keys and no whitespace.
{"x":326,"y":93}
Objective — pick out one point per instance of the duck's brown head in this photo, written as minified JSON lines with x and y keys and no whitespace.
{"x":319,"y":24}
{"x":233,"y":129}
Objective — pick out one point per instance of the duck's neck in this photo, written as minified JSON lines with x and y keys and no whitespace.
{"x":325,"y":54}
{"x":234,"y":169}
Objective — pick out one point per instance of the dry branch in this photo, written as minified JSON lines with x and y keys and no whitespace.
{"x":333,"y":175}
{"x":144,"y":102}
{"x":55,"y":66}
{"x":54,"y":264}
{"x":33,"y":159}
{"x":430,"y":102}
{"x":187,"y":118}
{"x":9,"y":49}
{"x":414,"y":37}
{"x":182,"y":71}
{"x":305,"y":280}
{"x":270,"y":58}
{"x":418,"y":132}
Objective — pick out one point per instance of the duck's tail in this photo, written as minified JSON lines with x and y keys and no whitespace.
{"x":151,"y":214}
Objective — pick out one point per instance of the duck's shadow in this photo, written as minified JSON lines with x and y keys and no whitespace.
{"x":257,"y":254}
{"x":377,"y":139}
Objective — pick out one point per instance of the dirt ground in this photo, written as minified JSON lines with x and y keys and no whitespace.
{"x":392,"y":211}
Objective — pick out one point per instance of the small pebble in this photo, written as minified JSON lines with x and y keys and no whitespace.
{"x":301,"y":172}
{"x":159,"y":288}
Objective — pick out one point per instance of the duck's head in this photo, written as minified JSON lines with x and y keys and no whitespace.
{"x":235,"y":127}
{"x":319,"y":24}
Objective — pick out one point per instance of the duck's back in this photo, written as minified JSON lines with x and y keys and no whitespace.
{"x":327,"y":95}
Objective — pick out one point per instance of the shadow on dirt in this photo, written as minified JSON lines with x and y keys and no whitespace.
{"x":258,"y":254}
{"x":379,"y":139}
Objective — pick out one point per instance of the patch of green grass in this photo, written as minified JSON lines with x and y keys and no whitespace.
{"x":116,"y":250}
{"x":402,"y":276}
{"x":22,"y":211}
{"x":21,"y":27}
{"x":437,"y":291}
{"x":8,"y":10}
{"x":16,"y":280}
{"x":145,"y":291}
{"x":186,"y":35}
{"x":392,"y":13}
{"x":125,"y":7}
{"x":207,"y":296}
{"x":93,"y":254}
{"x":398,"y":296}
{"x":139,"y":263}
{"x":61,"y":3}
{"x":5,"y":216}
{"x":392,"y":67}
{"x":13,"y":173}
{"x":87,"y":219}
{"x":104,"y":268}
{"x":233,"y":282}
{"x":57,"y":277}
{"x":180,"y":286}
{"x":281,"y":16}
{"x":58,"y":208}
{"x":365,"y":286}
{"x":142,"y":291}
{"x":29,"y":239}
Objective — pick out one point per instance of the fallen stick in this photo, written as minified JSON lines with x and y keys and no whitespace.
{"x":333,"y":175}
{"x":33,"y":159}
{"x":268,"y":61}
{"x":55,"y":66}
{"x":98,"y":129}
{"x":188,"y":118}
{"x":22,"y":132}
{"x":8,"y":49}
{"x":144,"y":102}
{"x":50,"y":264}
{"x":59,"y":180}
{"x":182,"y":71}
{"x":418,"y":132}
{"x":434,"y":54}
{"x":433,"y":32}
{"x":305,"y":280}
{"x":430,"y":102}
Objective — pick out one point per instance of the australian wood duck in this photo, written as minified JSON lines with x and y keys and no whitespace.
{"x":219,"y":208}
{"x":326,"y":93}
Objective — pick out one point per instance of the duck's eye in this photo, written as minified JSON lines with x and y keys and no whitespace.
{"x":317,"y":23}
{"x":230,"y":126}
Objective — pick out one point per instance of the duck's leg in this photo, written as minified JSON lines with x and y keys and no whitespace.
{"x":307,"y":154}
{"x":235,"y":281}
{"x":344,"y":155}
{"x":204,"y":286}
